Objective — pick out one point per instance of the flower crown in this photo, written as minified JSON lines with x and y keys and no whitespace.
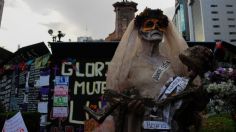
{"x":150,"y":13}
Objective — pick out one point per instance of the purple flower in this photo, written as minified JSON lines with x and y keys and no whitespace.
{"x":221,"y":70}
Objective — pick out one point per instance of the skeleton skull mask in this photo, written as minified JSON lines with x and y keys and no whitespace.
{"x":150,"y":30}
{"x":151,"y":24}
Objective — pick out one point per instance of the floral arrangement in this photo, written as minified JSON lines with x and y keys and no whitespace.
{"x":222,"y":75}
{"x":222,"y":90}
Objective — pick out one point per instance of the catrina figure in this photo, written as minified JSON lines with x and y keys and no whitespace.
{"x":146,"y":57}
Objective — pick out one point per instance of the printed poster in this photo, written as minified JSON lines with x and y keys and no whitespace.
{"x":62,"y":80}
{"x":60,"y":101}
{"x":61,"y":90}
{"x":43,"y":107}
{"x":44,"y":80}
{"x":44,"y":91}
{"x":60,"y":111}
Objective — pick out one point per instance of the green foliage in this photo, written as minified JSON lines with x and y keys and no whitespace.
{"x":31,"y":119}
{"x":219,"y":123}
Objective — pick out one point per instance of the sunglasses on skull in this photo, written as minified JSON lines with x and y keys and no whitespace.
{"x":151,"y":24}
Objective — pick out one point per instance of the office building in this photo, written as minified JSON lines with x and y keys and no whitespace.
{"x":207,"y":20}
{"x":1,"y":10}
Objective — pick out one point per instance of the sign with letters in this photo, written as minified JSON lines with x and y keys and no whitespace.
{"x":160,"y":70}
{"x":88,"y":82}
{"x":85,"y":65}
{"x":156,"y":125}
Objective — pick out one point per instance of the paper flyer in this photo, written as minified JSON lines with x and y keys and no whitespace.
{"x":61,"y":90}
{"x":44,"y":80}
{"x":62,"y":80}
{"x":60,"y":111}
{"x":43,"y":107}
{"x":60,"y":101}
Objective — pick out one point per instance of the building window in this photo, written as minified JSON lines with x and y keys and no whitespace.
{"x":213,"y":5}
{"x":216,"y":33}
{"x":215,"y":19}
{"x":216,"y":26}
{"x":229,"y":5}
{"x":232,"y":33}
{"x":231,"y":19}
{"x":214,"y":12}
{"x":230,"y":12}
{"x":231,"y":26}
{"x":233,"y":40}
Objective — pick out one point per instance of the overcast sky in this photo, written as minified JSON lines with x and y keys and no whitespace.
{"x":26,"y":22}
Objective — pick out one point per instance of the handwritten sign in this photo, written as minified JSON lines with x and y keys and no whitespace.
{"x":15,"y":124}
{"x":86,"y":67}
{"x":87,"y":83}
{"x":160,"y":70}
